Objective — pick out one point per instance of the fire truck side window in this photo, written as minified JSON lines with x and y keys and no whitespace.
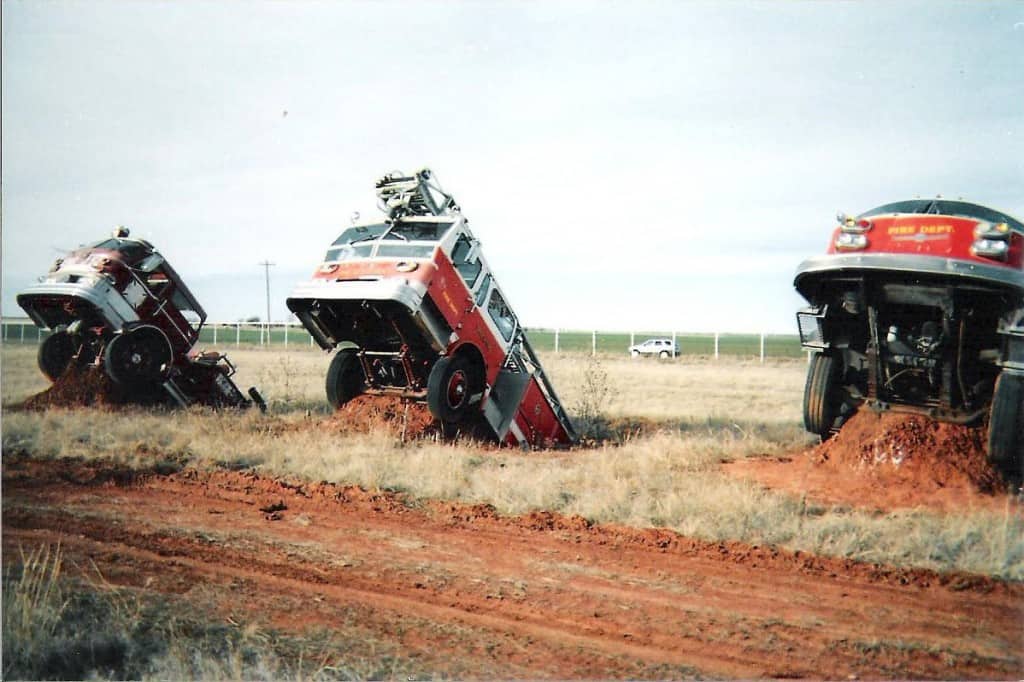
{"x":501,"y":315}
{"x":469,"y":271}
{"x":481,"y":295}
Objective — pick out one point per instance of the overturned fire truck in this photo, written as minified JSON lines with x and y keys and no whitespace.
{"x":119,"y":306}
{"x":919,"y":306}
{"x":414,"y":310}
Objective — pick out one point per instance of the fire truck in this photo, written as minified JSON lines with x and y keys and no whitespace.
{"x":918,"y":306}
{"x":414,"y":310}
{"x":118,"y":305}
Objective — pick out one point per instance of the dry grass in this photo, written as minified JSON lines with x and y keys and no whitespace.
{"x":61,"y":624}
{"x":696,"y":416}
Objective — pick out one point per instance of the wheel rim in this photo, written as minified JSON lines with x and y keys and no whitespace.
{"x":457,"y":390}
{"x":138,"y":356}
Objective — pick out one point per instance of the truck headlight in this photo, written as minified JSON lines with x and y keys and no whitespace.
{"x":851,"y":241}
{"x":990,"y":248}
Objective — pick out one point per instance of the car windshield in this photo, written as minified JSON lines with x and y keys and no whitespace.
{"x":945,"y":207}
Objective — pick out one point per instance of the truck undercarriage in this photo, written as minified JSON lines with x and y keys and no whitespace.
{"x":918,"y":306}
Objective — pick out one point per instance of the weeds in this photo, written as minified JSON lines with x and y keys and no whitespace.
{"x":57,"y":626}
{"x":589,"y":408}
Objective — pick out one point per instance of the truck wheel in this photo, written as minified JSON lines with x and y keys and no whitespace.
{"x":821,"y":406}
{"x":138,"y":357}
{"x":450,"y":387}
{"x":634,"y":353}
{"x":663,"y":354}
{"x":1006,"y":426}
{"x":345,"y":377}
{"x":55,"y":353}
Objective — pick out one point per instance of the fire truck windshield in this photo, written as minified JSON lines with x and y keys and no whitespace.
{"x":130,"y":251}
{"x":399,"y":240}
{"x":945,"y":207}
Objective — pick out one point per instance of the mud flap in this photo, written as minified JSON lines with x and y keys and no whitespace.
{"x":505,"y":398}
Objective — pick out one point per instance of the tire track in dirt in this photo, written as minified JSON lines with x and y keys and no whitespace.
{"x":458,"y":582}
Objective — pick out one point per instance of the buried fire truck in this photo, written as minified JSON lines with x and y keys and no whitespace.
{"x":415,"y":311}
{"x":919,"y":306}
{"x":118,"y":306}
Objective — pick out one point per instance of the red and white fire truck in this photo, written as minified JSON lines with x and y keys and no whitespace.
{"x":119,"y":305}
{"x":919,"y":306}
{"x":414,"y":310}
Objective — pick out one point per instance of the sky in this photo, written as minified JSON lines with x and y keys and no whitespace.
{"x":627,"y":166}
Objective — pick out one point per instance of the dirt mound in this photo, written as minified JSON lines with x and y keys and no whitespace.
{"x":77,"y":387}
{"x":402,"y":416}
{"x":886,"y":461}
{"x":911,"y":448}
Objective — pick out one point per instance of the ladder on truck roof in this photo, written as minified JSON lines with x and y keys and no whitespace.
{"x":403,"y":195}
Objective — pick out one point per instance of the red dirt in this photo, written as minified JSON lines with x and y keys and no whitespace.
{"x":888,"y":461}
{"x":366,"y":413}
{"x":469,"y":593}
{"x":79,"y":386}
{"x":403,"y":417}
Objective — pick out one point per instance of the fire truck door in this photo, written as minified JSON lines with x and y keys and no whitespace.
{"x":506,"y":395}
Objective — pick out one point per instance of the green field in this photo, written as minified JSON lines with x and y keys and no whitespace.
{"x":605,"y":343}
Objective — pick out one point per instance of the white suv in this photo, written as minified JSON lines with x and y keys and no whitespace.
{"x":663,"y":348}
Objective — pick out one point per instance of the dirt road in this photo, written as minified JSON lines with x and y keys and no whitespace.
{"x":474,"y":595}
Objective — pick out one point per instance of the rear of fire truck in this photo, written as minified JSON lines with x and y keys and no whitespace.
{"x":919,"y":306}
{"x":413,"y":309}
{"x":119,"y":307}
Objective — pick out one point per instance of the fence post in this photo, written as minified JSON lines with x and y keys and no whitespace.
{"x":632,"y":338}
{"x":214,"y":334}
{"x":716,"y":345}
{"x":673,"y":344}
{"x":22,"y":332}
{"x":556,"y":339}
{"x":238,"y":334}
{"x":593,"y":343}
{"x":39,"y":334}
{"x":762,"y":348}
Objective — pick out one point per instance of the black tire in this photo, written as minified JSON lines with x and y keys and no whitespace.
{"x":663,"y":354}
{"x":55,"y":354}
{"x":345,"y":377}
{"x":139,"y":357}
{"x":1006,"y":426}
{"x":450,"y":388}
{"x":821,"y":403}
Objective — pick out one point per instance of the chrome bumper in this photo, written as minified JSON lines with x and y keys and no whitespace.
{"x":909,"y":263}
{"x":100,"y":294}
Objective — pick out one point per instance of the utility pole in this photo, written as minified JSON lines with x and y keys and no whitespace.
{"x":266,"y":269}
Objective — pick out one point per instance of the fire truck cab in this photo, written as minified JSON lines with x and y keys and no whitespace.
{"x":414,"y":310}
{"x":919,"y":306}
{"x":118,"y":304}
